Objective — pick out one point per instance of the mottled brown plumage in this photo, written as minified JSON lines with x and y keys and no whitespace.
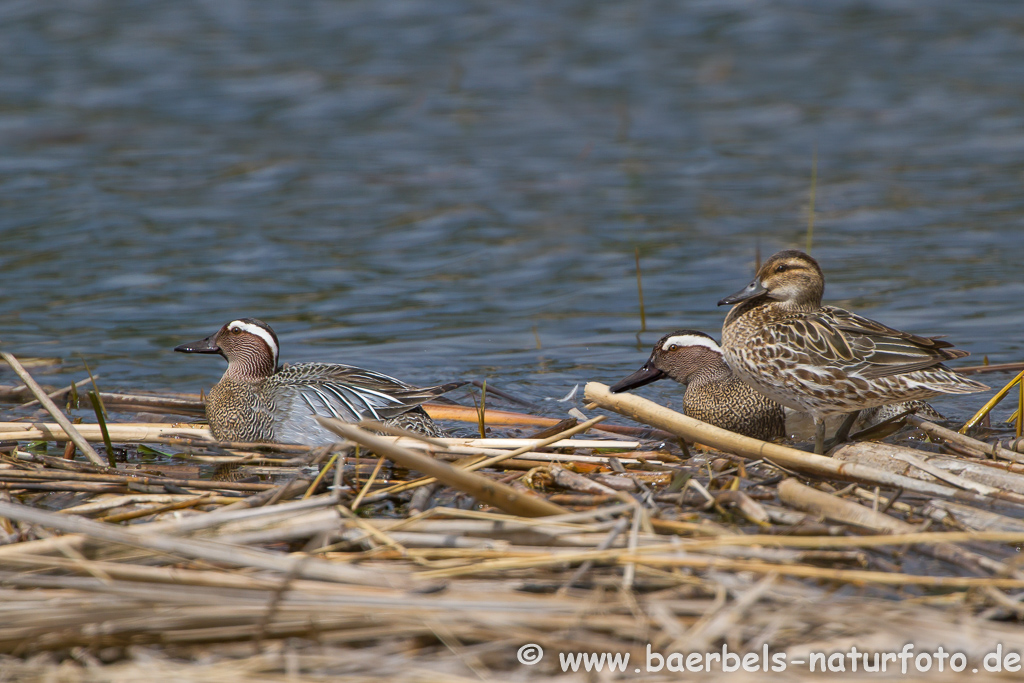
{"x":824,"y":360}
{"x":713,"y":394}
{"x":257,"y":401}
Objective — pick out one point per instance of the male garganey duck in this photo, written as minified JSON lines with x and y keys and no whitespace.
{"x":713,"y":394}
{"x":258,"y":401}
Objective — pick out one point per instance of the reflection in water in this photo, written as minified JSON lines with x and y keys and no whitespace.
{"x":416,"y":188}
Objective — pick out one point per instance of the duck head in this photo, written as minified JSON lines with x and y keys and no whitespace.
{"x":790,"y":276}
{"x":678,"y":355}
{"x":249,"y":345}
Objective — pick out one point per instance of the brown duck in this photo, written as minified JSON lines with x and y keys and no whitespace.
{"x":825,"y":360}
{"x":713,"y":394}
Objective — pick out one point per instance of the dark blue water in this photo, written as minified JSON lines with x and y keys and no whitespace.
{"x":448,"y":189}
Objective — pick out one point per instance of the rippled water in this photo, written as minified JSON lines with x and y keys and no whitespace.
{"x":449,"y":189}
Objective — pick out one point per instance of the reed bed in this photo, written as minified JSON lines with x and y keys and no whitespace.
{"x":394,"y":557}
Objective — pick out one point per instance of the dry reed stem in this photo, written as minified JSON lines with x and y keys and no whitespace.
{"x":795,"y":494}
{"x":53,"y":395}
{"x":373,"y":531}
{"x":993,"y":367}
{"x":369,"y":482}
{"x":131,"y":432}
{"x":237,"y":556}
{"x":128,"y":478}
{"x":949,"y":477}
{"x":488,"y":462}
{"x":167,"y":507}
{"x":458,"y":413}
{"x":995,"y":450}
{"x":134,"y":499}
{"x":54,"y":411}
{"x":991,"y":403}
{"x":641,"y":557}
{"x":534,"y":559}
{"x":648,"y":412}
{"x":320,"y":477}
{"x":483,"y":489}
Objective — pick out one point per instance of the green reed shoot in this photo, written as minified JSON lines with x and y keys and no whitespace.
{"x":101,"y":415}
{"x":73,"y":400}
{"x":97,"y":406}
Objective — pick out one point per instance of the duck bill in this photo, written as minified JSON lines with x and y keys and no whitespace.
{"x":645,"y":375}
{"x":755,"y":288}
{"x":201,"y":346}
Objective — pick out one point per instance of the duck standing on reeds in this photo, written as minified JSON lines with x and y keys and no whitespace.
{"x":258,"y":401}
{"x":713,"y":394}
{"x":825,"y":360}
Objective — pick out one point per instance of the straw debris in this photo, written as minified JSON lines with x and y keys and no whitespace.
{"x":391,"y":557}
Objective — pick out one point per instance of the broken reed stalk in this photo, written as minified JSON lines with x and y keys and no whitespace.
{"x":877,"y":541}
{"x":489,"y":462}
{"x":992,"y":402}
{"x":994,"y":450}
{"x":366,"y":487}
{"x":483,"y":489}
{"x":319,"y":477}
{"x":802,"y":497}
{"x":211,"y":551}
{"x":508,"y":417}
{"x":126,"y":478}
{"x":57,"y":394}
{"x":52,"y":408}
{"x":146,"y":512}
{"x":998,"y":367}
{"x":646,"y":556}
{"x":1020,"y":408}
{"x":648,"y":412}
{"x":820,"y":573}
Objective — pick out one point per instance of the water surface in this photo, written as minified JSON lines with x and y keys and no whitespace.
{"x":454,"y":189}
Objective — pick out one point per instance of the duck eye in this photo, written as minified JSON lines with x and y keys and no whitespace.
{"x":236,"y":330}
{"x":674,"y":347}
{"x":782,"y":268}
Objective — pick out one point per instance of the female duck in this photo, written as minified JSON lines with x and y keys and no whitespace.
{"x":713,"y":394}
{"x":256,"y":401}
{"x":826,"y":360}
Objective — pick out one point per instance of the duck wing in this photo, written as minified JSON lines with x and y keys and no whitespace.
{"x":351,"y":394}
{"x":859,"y":346}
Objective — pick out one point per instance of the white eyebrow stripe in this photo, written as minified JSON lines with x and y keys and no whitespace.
{"x":259,"y":332}
{"x":691,"y":340}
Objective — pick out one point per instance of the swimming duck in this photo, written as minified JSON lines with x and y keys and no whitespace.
{"x":258,"y":401}
{"x":713,"y":394}
{"x":825,"y":360}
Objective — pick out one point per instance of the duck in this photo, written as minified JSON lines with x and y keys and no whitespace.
{"x":713,"y":393}
{"x":259,"y":401}
{"x":825,"y":360}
